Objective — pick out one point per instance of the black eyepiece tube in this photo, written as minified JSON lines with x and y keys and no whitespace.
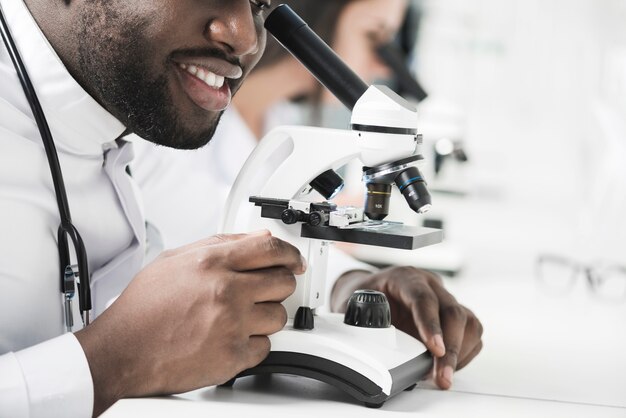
{"x":393,"y":57}
{"x":295,"y":35}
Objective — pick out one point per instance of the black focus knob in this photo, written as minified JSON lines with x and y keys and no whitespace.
{"x":291,"y":216}
{"x":368,"y":309}
{"x":316,"y":218}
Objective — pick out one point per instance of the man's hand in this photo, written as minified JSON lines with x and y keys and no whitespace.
{"x":421,"y":307}
{"x":194,"y":317}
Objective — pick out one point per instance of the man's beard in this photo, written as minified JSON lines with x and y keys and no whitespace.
{"x":113,"y":60}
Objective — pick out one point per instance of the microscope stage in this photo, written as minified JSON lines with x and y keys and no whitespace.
{"x":380,"y":234}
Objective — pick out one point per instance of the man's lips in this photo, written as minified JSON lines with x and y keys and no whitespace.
{"x":207,"y":88}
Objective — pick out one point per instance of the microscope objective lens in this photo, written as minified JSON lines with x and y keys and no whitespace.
{"x":377,"y":201}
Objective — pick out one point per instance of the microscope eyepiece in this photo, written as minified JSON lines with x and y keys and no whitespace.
{"x":298,"y":38}
{"x":413,"y":187}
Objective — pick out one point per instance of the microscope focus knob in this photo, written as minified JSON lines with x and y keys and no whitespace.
{"x":368,"y":309}
{"x":316,"y":218}
{"x":291,"y":216}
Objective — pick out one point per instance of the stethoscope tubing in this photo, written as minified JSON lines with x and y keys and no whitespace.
{"x":66,"y":227}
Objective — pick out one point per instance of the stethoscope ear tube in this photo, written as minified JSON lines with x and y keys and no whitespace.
{"x":66,"y":228}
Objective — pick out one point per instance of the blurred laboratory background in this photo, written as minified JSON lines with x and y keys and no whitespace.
{"x":538,"y":91}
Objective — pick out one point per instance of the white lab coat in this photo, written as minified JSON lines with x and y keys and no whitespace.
{"x":184,"y":191}
{"x":44,"y":372}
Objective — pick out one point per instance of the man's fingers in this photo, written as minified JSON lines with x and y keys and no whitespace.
{"x":472,"y":336}
{"x":453,"y":321}
{"x":472,"y":340}
{"x":462,"y":333}
{"x":425,"y":311}
{"x":269,"y":285}
{"x":469,"y":356}
{"x":213,"y":240}
{"x":269,"y":318}
{"x":263,"y":251}
{"x":258,"y":348}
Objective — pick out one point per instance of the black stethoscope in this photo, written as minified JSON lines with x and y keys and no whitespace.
{"x":68,"y":272}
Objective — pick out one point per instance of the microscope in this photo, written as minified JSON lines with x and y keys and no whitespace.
{"x":286,"y":186}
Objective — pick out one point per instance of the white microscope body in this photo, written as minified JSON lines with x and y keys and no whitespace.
{"x":373,"y":363}
{"x":370,"y":362}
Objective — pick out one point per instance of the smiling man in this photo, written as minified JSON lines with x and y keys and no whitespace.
{"x":197,"y":315}
{"x":166,"y":69}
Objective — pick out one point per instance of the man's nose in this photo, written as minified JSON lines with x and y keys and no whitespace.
{"x":234,"y":28}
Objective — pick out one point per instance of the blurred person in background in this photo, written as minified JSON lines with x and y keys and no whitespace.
{"x":185,"y":191}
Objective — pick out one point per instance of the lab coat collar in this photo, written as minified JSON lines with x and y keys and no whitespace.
{"x":78,"y":123}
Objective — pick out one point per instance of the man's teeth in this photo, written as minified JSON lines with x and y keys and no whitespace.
{"x":209,"y":78}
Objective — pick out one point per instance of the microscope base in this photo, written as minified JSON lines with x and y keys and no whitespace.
{"x":371,"y":365}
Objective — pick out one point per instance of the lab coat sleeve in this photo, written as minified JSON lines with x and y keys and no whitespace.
{"x":340,"y":263}
{"x":51,"y":379}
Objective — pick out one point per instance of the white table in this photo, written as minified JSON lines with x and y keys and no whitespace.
{"x":544,"y":355}
{"x":283,"y":396}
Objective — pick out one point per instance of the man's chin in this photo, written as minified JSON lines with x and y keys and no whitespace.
{"x":181,"y":137}
{"x":182,"y":143}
